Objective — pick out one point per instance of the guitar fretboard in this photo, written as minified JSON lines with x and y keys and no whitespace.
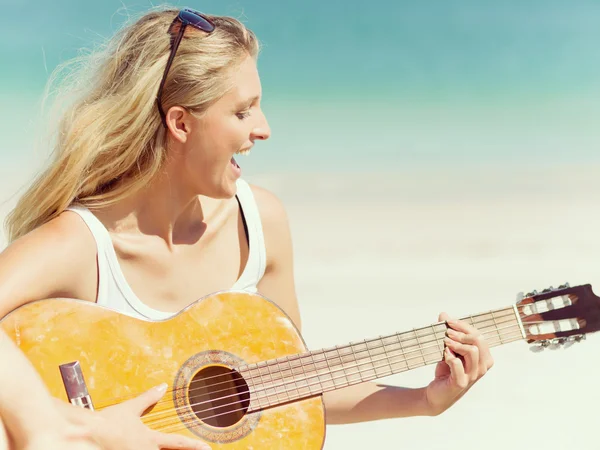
{"x":305,"y":375}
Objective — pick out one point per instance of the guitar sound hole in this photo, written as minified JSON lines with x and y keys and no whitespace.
{"x":219,"y":396}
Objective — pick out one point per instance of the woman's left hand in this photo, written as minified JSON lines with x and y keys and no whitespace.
{"x":466,"y":359}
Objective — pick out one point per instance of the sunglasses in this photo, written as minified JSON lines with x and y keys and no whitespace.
{"x":186,"y":17}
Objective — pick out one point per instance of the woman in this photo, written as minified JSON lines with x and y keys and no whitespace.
{"x":143,"y":209}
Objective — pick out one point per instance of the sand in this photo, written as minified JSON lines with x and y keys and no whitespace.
{"x":377,"y":253}
{"x":381,"y":253}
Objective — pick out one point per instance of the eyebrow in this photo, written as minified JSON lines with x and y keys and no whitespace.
{"x":248,"y":101}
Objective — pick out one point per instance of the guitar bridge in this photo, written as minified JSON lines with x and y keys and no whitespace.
{"x":75,"y":386}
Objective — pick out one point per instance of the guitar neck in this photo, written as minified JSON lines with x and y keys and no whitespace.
{"x":309,"y":374}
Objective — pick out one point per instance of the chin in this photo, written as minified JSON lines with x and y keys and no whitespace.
{"x":222,"y":191}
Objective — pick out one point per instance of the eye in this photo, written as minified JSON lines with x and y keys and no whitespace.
{"x":243,"y":114}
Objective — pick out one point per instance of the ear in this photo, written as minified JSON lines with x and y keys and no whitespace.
{"x":179,"y":123}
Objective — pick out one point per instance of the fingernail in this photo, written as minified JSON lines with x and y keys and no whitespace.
{"x":451,"y":332}
{"x":448,"y":341}
{"x":162,"y":387}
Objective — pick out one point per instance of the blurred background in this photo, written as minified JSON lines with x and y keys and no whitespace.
{"x":433,"y":155}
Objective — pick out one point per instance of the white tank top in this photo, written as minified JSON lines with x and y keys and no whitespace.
{"x":113,"y":290}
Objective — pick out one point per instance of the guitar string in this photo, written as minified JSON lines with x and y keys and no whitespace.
{"x":292,"y":358}
{"x":306,"y":377}
{"x":172,"y":425}
{"x":276,"y":362}
{"x":395,"y":346}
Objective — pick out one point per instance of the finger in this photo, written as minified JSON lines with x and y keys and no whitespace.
{"x":443,"y":317}
{"x":149,"y":398}
{"x":457,"y":371}
{"x":470,"y":353}
{"x":464,"y":338}
{"x":461,"y":325}
{"x":485,"y":357}
{"x":178,"y":442}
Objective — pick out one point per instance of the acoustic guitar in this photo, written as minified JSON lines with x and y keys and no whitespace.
{"x":239,"y":374}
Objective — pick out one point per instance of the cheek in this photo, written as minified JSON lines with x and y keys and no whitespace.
{"x":217,"y":141}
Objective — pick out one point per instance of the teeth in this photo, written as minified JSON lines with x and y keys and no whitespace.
{"x":243,"y":152}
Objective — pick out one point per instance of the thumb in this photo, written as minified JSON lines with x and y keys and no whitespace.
{"x":149,"y":398}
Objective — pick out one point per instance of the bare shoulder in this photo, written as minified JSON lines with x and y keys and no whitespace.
{"x":59,"y":236}
{"x":56,"y":259}
{"x":276,"y":227}
{"x":271,"y":208}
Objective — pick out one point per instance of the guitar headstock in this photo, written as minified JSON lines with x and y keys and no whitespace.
{"x":558,"y":316}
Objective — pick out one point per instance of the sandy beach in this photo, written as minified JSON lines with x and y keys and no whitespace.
{"x":381,"y":253}
{"x":377,"y":253}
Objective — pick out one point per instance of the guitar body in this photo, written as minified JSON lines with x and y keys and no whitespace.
{"x":121,"y":357}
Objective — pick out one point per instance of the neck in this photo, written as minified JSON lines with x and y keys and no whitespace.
{"x":300,"y":376}
{"x":166,"y":208}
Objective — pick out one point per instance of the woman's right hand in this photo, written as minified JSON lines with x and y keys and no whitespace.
{"x":115,"y":428}
{"x":120,"y":427}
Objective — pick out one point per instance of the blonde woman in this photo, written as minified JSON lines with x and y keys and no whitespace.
{"x":144,"y":210}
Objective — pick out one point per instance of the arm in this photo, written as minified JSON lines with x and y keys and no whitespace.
{"x":26,"y":408}
{"x":40,"y":265}
{"x":58,"y":260}
{"x":369,"y":401}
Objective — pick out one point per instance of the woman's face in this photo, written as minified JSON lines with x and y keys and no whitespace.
{"x":229,"y":126}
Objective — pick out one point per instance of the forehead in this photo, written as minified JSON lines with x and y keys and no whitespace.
{"x":245,"y":81}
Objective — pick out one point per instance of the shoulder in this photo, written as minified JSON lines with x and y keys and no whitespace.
{"x":62,"y":234}
{"x":270,"y":207}
{"x":275,"y":224}
{"x":55,"y":259}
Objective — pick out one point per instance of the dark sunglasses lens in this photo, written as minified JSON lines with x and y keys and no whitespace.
{"x":194,"y":19}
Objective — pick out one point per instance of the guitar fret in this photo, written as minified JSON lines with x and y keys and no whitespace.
{"x":496,"y":326}
{"x":273,"y":384}
{"x":420,"y":348}
{"x":287,"y":358}
{"x":317,"y":374}
{"x":437,"y":341}
{"x":359,"y":373}
{"x":265,"y":396}
{"x":343,"y":368}
{"x":329,"y":372}
{"x":305,"y":378}
{"x":403,"y":353}
{"x":387,"y":357}
{"x":299,"y":376}
{"x":370,"y":362}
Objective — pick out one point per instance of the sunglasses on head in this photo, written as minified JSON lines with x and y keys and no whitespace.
{"x":186,"y":17}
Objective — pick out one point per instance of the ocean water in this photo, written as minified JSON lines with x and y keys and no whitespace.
{"x":355,"y":85}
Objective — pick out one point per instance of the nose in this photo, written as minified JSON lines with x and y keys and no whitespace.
{"x":262,"y":131}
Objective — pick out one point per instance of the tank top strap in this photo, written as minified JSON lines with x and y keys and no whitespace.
{"x":257,"y":257}
{"x":103,"y":245}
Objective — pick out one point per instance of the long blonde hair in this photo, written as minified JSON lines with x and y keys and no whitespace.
{"x":110,"y":141}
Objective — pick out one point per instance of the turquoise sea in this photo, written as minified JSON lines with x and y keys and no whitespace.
{"x":356,"y":85}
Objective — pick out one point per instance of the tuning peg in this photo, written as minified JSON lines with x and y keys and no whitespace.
{"x":532,"y":293}
{"x":540,"y":346}
{"x":550,"y":289}
{"x":564,"y":286}
{"x":557,"y":342}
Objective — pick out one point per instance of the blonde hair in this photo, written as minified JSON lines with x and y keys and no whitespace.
{"x":111,"y":140}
